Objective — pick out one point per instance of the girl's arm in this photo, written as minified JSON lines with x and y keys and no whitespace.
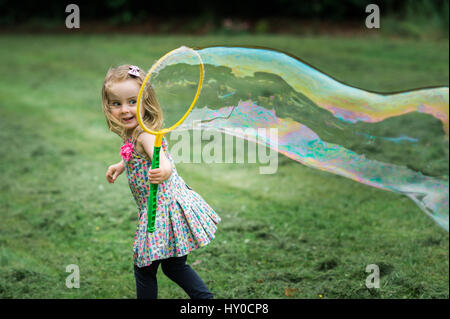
{"x":157,"y":175}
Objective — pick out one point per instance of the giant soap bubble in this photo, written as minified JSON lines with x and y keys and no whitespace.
{"x":396,"y":142}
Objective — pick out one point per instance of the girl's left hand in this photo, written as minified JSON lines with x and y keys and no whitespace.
{"x":157,"y":175}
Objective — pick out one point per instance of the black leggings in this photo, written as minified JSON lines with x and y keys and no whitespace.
{"x":176,"y":269}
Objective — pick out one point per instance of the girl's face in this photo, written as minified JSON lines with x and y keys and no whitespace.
{"x":122,"y":98}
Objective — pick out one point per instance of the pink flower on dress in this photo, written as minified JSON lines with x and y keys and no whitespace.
{"x":126,"y":150}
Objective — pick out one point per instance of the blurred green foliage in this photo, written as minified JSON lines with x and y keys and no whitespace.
{"x":400,"y":17}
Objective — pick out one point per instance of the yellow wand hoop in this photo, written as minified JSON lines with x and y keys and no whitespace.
{"x":151,"y":212}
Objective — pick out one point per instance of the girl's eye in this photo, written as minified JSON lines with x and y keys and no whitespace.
{"x":132,"y":101}
{"x":115,"y":104}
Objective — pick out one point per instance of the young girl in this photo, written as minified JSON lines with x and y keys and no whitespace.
{"x":184,"y":221}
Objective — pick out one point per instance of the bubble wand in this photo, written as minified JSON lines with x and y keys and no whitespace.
{"x":152,"y":205}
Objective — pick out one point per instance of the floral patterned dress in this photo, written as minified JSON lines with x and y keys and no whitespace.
{"x":184,"y":221}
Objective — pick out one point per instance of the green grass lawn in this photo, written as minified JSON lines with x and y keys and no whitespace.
{"x":312,"y":238}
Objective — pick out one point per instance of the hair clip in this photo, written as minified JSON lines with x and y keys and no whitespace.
{"x":134,"y":70}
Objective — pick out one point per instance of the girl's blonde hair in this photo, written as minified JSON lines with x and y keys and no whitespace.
{"x":153,"y":116}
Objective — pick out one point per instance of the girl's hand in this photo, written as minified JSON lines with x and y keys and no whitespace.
{"x":158,"y":175}
{"x":114,"y":171}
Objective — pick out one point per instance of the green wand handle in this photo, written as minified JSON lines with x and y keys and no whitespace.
{"x":151,"y":211}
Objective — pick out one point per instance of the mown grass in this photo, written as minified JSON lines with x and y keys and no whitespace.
{"x":300,"y":233}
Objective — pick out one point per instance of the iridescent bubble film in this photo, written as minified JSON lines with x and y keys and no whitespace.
{"x":396,"y":142}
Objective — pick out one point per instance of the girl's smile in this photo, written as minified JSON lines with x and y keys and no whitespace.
{"x":129,"y":119}
{"x":122,"y":102}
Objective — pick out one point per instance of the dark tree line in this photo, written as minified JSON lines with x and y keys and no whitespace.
{"x":21,"y":11}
